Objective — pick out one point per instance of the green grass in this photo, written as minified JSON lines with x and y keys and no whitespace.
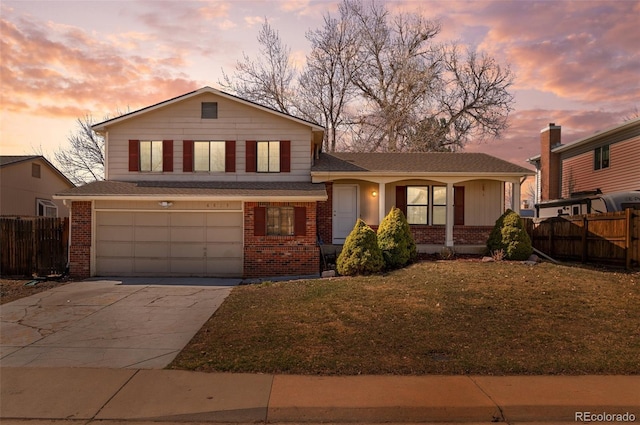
{"x":446,"y":317}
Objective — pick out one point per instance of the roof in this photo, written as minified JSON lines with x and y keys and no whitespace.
{"x":13,"y":159}
{"x":242,"y":191}
{"x":428,"y":162}
{"x":103,"y":125}
{"x":628,"y":125}
{"x":16,"y":159}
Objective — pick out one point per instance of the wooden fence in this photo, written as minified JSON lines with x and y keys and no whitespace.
{"x":608,"y":238}
{"x":33,"y":245}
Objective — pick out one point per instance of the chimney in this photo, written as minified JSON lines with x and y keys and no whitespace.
{"x":549,"y":163}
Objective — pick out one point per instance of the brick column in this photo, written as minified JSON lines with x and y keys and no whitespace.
{"x":80,"y":249}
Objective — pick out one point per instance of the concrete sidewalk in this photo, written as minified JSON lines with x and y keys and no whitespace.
{"x":129,"y":395}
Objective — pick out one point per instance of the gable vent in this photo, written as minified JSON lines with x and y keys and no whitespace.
{"x":209,"y":110}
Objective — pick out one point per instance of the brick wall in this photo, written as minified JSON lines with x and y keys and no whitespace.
{"x":325,"y":216}
{"x":462,"y":235}
{"x":266,"y":256}
{"x":80,"y":249}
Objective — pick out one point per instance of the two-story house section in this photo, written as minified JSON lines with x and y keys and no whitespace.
{"x":204,"y":184}
{"x":606,"y":162}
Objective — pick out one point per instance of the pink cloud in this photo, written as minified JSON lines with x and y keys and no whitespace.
{"x":60,"y":70}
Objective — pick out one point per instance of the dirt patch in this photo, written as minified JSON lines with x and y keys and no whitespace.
{"x":14,"y":289}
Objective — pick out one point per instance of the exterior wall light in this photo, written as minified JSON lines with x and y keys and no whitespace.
{"x":165,"y":204}
{"x":374,"y":193}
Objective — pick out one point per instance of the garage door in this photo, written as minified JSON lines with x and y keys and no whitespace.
{"x":169,"y":243}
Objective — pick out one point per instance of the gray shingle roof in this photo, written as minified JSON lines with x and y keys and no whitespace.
{"x":430,"y":162}
{"x":191,"y":188}
{"x":12,"y":159}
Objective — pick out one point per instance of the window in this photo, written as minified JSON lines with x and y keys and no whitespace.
{"x":439,"y":205}
{"x":209,"y":156}
{"x":209,"y":110}
{"x":268,"y":157}
{"x":601,"y":158}
{"x":418,"y":204}
{"x":280,"y":221}
{"x":46,"y":208}
{"x":151,"y":156}
{"x":35,"y":170}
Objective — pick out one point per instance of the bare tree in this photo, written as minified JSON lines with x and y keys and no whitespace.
{"x":83,"y":161}
{"x":267,"y":80}
{"x":325,"y":85}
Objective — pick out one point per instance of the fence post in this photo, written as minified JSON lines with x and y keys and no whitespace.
{"x":585,"y":239}
{"x":627,"y":243}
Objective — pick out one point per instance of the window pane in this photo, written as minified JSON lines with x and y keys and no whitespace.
{"x":596,"y":162}
{"x":274,"y":157}
{"x":417,"y":195}
{"x":439,"y":195}
{"x":273,"y":221}
{"x":439,"y":215}
{"x":145,"y":156}
{"x":286,"y":221}
{"x":217,"y":157}
{"x":201,"y":156}
{"x":605,"y":156}
{"x":156,"y":156}
{"x":263,"y":156}
{"x":416,"y":215}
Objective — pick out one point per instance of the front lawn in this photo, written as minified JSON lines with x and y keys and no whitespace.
{"x":445,"y":317}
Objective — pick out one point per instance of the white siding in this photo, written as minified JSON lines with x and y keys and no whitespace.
{"x":236,"y":121}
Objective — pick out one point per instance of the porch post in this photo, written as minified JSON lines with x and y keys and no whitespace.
{"x":515,"y":197}
{"x":449,"y":221}
{"x":381,"y":202}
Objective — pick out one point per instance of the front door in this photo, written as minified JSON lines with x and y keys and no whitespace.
{"x":345,"y":211}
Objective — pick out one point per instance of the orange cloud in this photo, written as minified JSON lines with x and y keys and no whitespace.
{"x":64,"y":71}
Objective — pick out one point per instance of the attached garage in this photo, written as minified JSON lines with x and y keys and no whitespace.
{"x":168,"y":243}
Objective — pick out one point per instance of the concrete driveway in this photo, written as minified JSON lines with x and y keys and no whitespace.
{"x":136,"y":323}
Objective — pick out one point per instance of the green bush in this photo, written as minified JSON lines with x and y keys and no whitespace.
{"x":509,"y":235}
{"x":395,"y":240}
{"x":360,"y":252}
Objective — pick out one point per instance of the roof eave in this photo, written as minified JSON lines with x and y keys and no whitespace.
{"x":413,"y":174}
{"x":174,"y":197}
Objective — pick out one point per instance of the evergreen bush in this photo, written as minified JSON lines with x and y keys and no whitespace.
{"x":360,"y":252}
{"x":510,"y":236}
{"x":395,"y":240}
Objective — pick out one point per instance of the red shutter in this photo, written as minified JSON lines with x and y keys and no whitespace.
{"x":230,"y":156}
{"x":167,"y":155}
{"x":401,"y":199}
{"x":458,"y":205}
{"x":259,"y":221}
{"x":134,"y":155}
{"x":300,"y":221}
{"x":252,"y":147}
{"x":187,"y":156}
{"x":285,"y":156}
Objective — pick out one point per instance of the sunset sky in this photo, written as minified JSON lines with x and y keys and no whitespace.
{"x":577,"y":63}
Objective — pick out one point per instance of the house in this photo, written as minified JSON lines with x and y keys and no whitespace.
{"x":27,"y":186}
{"x":210,"y":184}
{"x":605,"y":162}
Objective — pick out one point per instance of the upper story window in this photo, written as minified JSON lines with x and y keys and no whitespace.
{"x":268,"y":156}
{"x":209,"y":110}
{"x":418,"y":204}
{"x":151,"y":156}
{"x":601,"y":157}
{"x":35,"y":170}
{"x":46,"y":208}
{"x":209,"y":156}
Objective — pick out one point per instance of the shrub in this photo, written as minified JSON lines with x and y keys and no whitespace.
{"x":395,"y":240}
{"x":360,"y":253}
{"x":509,"y":235}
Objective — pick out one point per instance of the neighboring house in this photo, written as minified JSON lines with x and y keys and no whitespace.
{"x":209,"y":184}
{"x":606,"y":161}
{"x":27,"y":186}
